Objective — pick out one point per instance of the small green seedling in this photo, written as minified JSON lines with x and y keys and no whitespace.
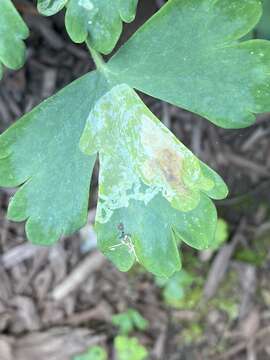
{"x":94,"y":353}
{"x":129,"y":349}
{"x":153,"y":192}
{"x":176,"y":287}
{"x":129,"y":321}
{"x":222,"y":232}
{"x":192,"y":333}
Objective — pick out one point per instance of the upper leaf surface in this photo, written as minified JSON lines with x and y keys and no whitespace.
{"x":135,"y":147}
{"x":188,"y":54}
{"x":97,"y":21}
{"x":40,"y":151}
{"x":127,"y":9}
{"x":50,"y":7}
{"x":150,"y":185}
{"x":12,"y":33}
{"x":147,"y":233}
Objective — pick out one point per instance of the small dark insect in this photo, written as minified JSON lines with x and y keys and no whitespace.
{"x":125,"y":239}
{"x":123,"y":236}
{"x":120,"y":227}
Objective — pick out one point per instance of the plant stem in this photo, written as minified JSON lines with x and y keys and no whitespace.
{"x":98,"y":60}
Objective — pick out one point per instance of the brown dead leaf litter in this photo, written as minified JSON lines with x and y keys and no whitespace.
{"x":56,"y":302}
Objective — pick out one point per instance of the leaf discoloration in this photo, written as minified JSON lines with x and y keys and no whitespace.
{"x":144,"y":171}
{"x":141,"y":157}
{"x":166,"y":163}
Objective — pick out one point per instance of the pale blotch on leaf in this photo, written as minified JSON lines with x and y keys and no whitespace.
{"x":139,"y":156}
{"x":86,"y":4}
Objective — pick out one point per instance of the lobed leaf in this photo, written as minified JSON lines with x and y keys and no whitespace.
{"x":129,"y":348}
{"x":127,"y":9}
{"x":50,"y":7}
{"x":13,"y":31}
{"x":40,"y":152}
{"x":188,"y":54}
{"x":147,"y":233}
{"x":150,"y":186}
{"x":153,"y":191}
{"x":99,"y":22}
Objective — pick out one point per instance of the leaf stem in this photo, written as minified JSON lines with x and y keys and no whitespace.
{"x":98,"y":60}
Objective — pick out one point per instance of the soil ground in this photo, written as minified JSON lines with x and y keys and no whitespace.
{"x":57,"y":302}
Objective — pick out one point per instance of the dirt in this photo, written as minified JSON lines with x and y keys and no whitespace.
{"x":57,"y":302}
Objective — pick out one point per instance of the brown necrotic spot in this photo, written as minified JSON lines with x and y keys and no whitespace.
{"x":170,"y":163}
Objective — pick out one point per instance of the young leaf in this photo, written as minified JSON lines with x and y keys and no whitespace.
{"x":176,"y":287}
{"x":129,"y":321}
{"x":41,"y":153}
{"x":188,"y":54}
{"x":94,"y":353}
{"x":12,"y":33}
{"x":129,"y":349}
{"x":97,"y":21}
{"x":150,"y":185}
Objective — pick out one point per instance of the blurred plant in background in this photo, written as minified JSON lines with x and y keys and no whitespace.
{"x":94,"y":353}
{"x":129,"y":349}
{"x":129,"y":321}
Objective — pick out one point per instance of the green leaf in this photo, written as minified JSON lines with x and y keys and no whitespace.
{"x":192,"y":334}
{"x":146,"y":233}
{"x":127,"y":9}
{"x":176,"y":287}
{"x":94,"y":353}
{"x":129,"y":349}
{"x":40,"y":152}
{"x":129,"y":321}
{"x":99,"y":22}
{"x":150,"y":186}
{"x":135,"y":147}
{"x":50,"y":7}
{"x":12,"y":33}
{"x":183,"y":290}
{"x":189,"y":55}
{"x":222,"y":232}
